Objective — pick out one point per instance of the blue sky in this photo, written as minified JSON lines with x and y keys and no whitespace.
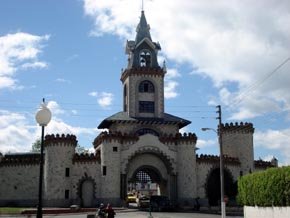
{"x":232,"y":53}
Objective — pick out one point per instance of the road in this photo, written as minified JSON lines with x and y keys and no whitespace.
{"x":136,"y":214}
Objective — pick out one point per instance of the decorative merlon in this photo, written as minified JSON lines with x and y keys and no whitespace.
{"x":237,"y":127}
{"x":127,"y":138}
{"x":178,"y":138}
{"x":20,"y":159}
{"x":117,"y":136}
{"x":87,"y":158}
{"x":56,"y":139}
{"x":203,"y":158}
{"x":263,"y":164}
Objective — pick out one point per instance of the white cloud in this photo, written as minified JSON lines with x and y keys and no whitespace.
{"x":19,"y":131}
{"x":19,"y":50}
{"x":55,"y":108}
{"x":105,"y":99}
{"x":205,"y":143}
{"x":14,"y":131}
{"x":227,"y":41}
{"x":170,"y":84}
{"x":36,"y":64}
{"x":93,"y":94}
{"x":7,"y":82}
{"x":172,"y":73}
{"x":61,"y":80}
{"x":170,"y":89}
{"x":275,"y":140}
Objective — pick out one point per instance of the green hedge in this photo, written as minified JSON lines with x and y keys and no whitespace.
{"x":266,"y":188}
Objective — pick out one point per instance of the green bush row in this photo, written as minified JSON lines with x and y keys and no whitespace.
{"x":266,"y":188}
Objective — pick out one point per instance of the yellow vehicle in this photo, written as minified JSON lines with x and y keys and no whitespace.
{"x":131,"y":198}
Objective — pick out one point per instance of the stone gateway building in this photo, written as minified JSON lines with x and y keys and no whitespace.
{"x":142,"y":144}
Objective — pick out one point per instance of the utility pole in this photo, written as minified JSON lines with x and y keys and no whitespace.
{"x":223,"y":204}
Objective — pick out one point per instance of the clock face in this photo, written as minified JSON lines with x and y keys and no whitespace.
{"x":145,"y":58}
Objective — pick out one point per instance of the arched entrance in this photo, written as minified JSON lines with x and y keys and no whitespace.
{"x":150,"y":173}
{"x":213,"y":187}
{"x":87,"y":193}
{"x":147,"y":180}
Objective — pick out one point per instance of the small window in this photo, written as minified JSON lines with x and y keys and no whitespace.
{"x":146,"y":86}
{"x":115,"y":149}
{"x":146,"y":106}
{"x":66,"y":172}
{"x":104,"y":170}
{"x":66,"y":194}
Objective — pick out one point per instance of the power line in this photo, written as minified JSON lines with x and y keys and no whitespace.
{"x":258,"y":83}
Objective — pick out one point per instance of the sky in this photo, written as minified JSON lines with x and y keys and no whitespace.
{"x":71,"y":52}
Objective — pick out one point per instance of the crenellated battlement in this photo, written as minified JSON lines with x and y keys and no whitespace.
{"x":185,"y":137}
{"x":261,"y":164}
{"x":63,"y":139}
{"x":237,"y":127}
{"x":20,"y":159}
{"x":203,"y":158}
{"x":116,"y":136}
{"x":86,"y":158}
{"x":132,"y":138}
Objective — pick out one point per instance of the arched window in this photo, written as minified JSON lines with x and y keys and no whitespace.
{"x":147,"y":131}
{"x":146,"y":86}
{"x":145,"y":58}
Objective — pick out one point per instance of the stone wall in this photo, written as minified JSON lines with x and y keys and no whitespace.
{"x":19,"y":184}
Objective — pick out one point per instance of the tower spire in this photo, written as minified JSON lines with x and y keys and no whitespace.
{"x":143,"y":29}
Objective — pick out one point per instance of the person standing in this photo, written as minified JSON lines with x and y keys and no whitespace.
{"x":110,"y":211}
{"x":101,"y":212}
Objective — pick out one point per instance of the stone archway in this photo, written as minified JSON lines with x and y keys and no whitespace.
{"x":213,"y":187}
{"x":150,"y":168}
{"x":147,"y":177}
{"x":86,"y":191}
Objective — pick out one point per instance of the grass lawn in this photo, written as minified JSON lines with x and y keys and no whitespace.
{"x":11,"y":210}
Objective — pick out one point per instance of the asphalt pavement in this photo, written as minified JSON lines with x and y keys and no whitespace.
{"x":131,"y":214}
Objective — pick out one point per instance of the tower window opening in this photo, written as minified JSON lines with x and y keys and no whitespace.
{"x":146,"y":106}
{"x":145,"y":59}
{"x":146,"y":86}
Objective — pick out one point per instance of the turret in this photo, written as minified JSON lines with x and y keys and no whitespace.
{"x":237,"y":142}
{"x":59,"y":152}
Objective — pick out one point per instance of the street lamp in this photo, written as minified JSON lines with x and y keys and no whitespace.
{"x":43,"y":117}
{"x":219,"y":134}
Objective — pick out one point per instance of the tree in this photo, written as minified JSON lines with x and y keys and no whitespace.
{"x":36,"y":146}
{"x":80,"y":149}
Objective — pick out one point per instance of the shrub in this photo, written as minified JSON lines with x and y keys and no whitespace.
{"x":266,"y":188}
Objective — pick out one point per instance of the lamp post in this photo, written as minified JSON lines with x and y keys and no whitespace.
{"x":219,"y":134}
{"x":43,"y":117}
